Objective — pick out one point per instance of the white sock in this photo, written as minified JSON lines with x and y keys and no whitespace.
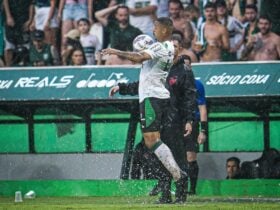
{"x":165,"y":156}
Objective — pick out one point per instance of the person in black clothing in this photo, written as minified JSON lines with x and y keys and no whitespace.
{"x":177,"y":122}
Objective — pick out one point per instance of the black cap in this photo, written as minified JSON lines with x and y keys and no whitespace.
{"x":221,"y":3}
{"x":37,"y":35}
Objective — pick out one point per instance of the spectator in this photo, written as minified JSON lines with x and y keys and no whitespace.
{"x":271,"y":9}
{"x":178,"y":36}
{"x":69,"y":12}
{"x":90,"y":43}
{"x":191,"y":13}
{"x":212,"y":37}
{"x":19,"y":15}
{"x":21,"y":57}
{"x":45,"y":19}
{"x":236,"y":8}
{"x":96,"y":28}
{"x":77,"y":57}
{"x":162,"y":10}
{"x":251,"y":25}
{"x":143,"y":14}
{"x":235,"y":29}
{"x":72,"y":41}
{"x":175,"y":9}
{"x":233,"y":168}
{"x":263,"y":46}
{"x":41,"y":53}
{"x":122,"y":33}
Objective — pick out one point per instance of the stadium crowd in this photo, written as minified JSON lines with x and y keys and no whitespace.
{"x":44,"y":32}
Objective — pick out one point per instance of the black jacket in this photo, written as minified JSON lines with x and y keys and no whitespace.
{"x":181,"y":85}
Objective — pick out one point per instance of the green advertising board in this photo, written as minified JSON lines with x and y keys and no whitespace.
{"x":93,"y":83}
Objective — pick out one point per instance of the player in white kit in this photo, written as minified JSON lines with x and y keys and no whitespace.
{"x":153,"y":95}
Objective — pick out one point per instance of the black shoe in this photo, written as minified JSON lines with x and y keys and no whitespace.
{"x":181,"y":188}
{"x":165,"y":187}
{"x":164,"y":200}
{"x":155,"y":191}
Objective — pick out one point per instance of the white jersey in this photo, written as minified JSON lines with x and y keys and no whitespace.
{"x":235,"y":29}
{"x":144,"y":22}
{"x":91,"y":45}
{"x":154,"y":71}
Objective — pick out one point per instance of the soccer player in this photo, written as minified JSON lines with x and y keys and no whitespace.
{"x":153,"y":95}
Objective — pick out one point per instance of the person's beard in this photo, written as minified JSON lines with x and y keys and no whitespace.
{"x":264,"y":31}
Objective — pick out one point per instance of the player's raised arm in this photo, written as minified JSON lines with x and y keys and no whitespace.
{"x":137,"y":57}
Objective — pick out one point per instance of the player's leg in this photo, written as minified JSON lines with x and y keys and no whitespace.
{"x":192,"y":165}
{"x":151,"y":111}
{"x":173,"y":135}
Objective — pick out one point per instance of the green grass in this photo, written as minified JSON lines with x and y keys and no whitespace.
{"x":135,"y":203}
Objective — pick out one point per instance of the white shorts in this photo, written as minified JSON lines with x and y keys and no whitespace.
{"x":11,"y":46}
{"x":41,"y":16}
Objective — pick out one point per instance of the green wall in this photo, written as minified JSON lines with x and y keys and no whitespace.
{"x":59,"y":132}
{"x":137,"y":187}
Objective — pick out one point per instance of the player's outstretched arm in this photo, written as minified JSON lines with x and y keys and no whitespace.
{"x":137,"y":57}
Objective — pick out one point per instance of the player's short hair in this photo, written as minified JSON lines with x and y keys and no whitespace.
{"x":166,"y":22}
{"x":252,"y":6}
{"x":265,"y":17}
{"x":234,"y":159}
{"x":210,"y":5}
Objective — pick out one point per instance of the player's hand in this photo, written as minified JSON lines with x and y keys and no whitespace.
{"x":201,"y":138}
{"x":188,"y":129}
{"x":114,"y":90}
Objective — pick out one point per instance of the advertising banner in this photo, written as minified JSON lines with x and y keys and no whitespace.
{"x":94,"y":83}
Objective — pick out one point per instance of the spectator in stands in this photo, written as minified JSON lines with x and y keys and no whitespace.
{"x":233,"y":168}
{"x":236,"y":8}
{"x":21,"y":57}
{"x":251,"y":25}
{"x":263,"y":46}
{"x":41,"y":53}
{"x":19,"y":15}
{"x":177,"y":35}
{"x":122,"y":33}
{"x":45,"y":19}
{"x":211,"y":38}
{"x":143,"y":14}
{"x":69,"y":12}
{"x":77,"y":57}
{"x":191,"y":13}
{"x":271,"y":9}
{"x":235,"y":29}
{"x":162,"y":9}
{"x":72,"y":41}
{"x":175,"y":9}
{"x":90,"y":43}
{"x":97,"y":28}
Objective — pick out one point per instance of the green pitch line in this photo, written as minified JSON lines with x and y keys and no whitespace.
{"x":135,"y":203}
